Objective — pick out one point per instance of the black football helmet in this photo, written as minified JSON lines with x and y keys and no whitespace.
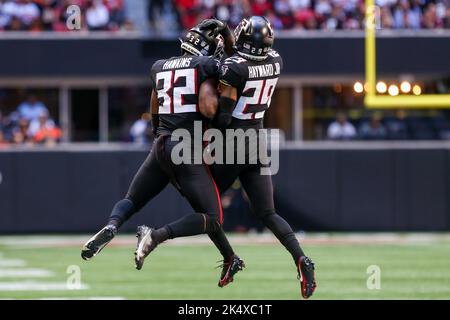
{"x":199,"y":42}
{"x":254,"y":38}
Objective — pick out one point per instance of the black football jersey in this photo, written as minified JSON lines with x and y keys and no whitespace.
{"x":255,"y":82}
{"x":177,"y":83}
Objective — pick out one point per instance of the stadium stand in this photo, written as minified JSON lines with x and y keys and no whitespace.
{"x":51,"y":15}
{"x":166,"y":16}
{"x":306,"y":14}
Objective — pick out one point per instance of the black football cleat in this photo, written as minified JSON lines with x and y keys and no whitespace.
{"x":95,"y":244}
{"x":145,"y":245}
{"x":229,"y":269}
{"x":305,"y":268}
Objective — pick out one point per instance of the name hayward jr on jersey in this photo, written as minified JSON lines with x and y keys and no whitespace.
{"x":255,"y":82}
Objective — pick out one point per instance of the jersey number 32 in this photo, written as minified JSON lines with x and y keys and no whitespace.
{"x":171,"y":94}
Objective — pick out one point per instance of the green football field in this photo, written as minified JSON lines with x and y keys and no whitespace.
{"x":406,"y":267}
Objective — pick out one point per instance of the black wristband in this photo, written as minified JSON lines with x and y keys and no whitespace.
{"x":224,"y":114}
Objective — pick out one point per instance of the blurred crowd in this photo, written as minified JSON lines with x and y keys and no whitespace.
{"x":396,"y":126}
{"x":166,"y":15}
{"x":52,"y":15}
{"x":29,"y":124}
{"x":305,"y":14}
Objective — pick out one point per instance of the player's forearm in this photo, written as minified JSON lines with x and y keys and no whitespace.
{"x":208,"y":106}
{"x":208,"y":102}
{"x":228,"y":41}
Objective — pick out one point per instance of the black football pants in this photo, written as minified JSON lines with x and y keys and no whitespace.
{"x":259,"y":190}
{"x":194,"y":181}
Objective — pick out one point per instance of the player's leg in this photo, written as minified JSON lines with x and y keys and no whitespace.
{"x":198,"y":186}
{"x":259,"y":189}
{"x":224,"y":176}
{"x":199,"y":189}
{"x":149,"y":181}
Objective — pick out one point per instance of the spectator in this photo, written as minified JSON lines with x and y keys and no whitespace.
{"x":3,"y":141}
{"x":8,"y":124}
{"x":406,"y":16}
{"x":430,"y":19}
{"x":318,"y":14}
{"x":51,"y":15}
{"x":155,"y":13}
{"x":139,"y":131}
{"x":20,"y":133}
{"x":188,"y":11}
{"x":28,"y":12}
{"x":341,"y":129}
{"x":39,"y":15}
{"x":397,"y":128}
{"x":260,"y":7}
{"x":97,"y":15}
{"x":446,"y":20}
{"x":31,"y":109}
{"x":48,"y":133}
{"x":387,"y":21}
{"x":117,"y":15}
{"x":284,"y":12}
{"x":43,"y":121}
{"x":2,"y":135}
{"x":373,"y":129}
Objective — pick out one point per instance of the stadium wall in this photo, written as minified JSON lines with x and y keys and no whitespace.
{"x":316,"y":189}
{"x":70,"y":57}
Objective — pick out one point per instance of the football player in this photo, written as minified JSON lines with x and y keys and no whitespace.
{"x":247,"y":81}
{"x":180,"y":96}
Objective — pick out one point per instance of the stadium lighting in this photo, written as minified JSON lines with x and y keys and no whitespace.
{"x":405,"y":87}
{"x":417,"y":90}
{"x":381,"y":87}
{"x":393,"y":90}
{"x":358,"y":87}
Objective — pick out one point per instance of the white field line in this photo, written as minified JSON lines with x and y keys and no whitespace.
{"x":10,"y":263}
{"x":49,"y":241}
{"x":38,"y":286}
{"x":25,"y":273}
{"x":71,"y":298}
{"x":83,"y":298}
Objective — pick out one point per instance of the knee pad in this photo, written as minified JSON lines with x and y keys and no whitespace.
{"x":212,"y":223}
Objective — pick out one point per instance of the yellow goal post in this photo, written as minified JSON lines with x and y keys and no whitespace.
{"x":374,"y":101}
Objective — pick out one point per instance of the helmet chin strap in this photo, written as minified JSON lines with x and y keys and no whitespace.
{"x":190,"y":49}
{"x":251,"y":57}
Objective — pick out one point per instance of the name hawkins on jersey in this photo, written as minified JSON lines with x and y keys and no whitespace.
{"x":177,"y":63}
